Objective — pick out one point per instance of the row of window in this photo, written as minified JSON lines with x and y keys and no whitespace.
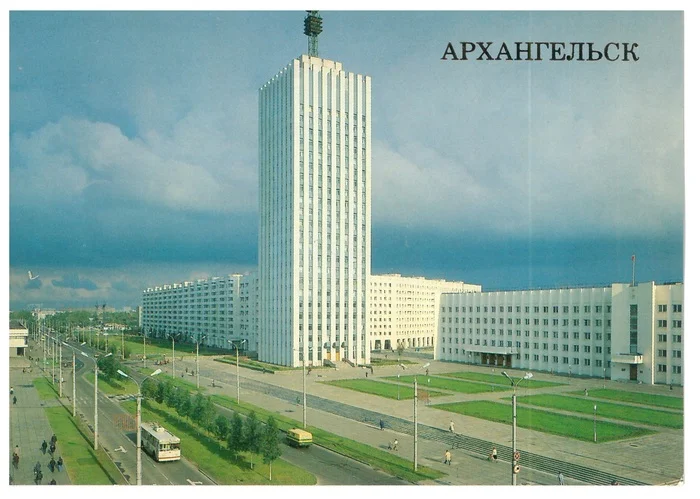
{"x":536,"y":309}
{"x":662,"y":369}
{"x":677,"y":308}
{"x":674,"y":323}
{"x":676,"y":353}
{"x":545,"y":334}
{"x":535,"y":322}
{"x":676,"y":338}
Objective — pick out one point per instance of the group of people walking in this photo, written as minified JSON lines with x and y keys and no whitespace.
{"x":54,"y":464}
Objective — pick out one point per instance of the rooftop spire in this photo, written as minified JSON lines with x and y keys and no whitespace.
{"x":312,"y":28}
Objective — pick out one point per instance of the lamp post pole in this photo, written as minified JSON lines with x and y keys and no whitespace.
{"x":53,"y":360}
{"x":73,"y":349}
{"x":96,"y":371}
{"x":303,"y":377}
{"x":603,"y":378}
{"x":138,"y":420}
{"x":238,"y":374}
{"x":60,"y":370}
{"x":595,"y":432}
{"x":515,"y":468}
{"x":144,"y":349}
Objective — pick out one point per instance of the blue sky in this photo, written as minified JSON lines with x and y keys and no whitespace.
{"x":133,"y":148}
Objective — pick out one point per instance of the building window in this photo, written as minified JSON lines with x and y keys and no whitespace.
{"x":678,"y":308}
{"x":661,"y":353}
{"x":662,"y":337}
{"x":676,"y":354}
{"x":662,"y":308}
{"x":676,"y":369}
{"x":676,"y":338}
{"x":661,"y":368}
{"x":677,"y":324}
{"x":662,"y":323}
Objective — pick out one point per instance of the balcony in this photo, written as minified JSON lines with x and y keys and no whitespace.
{"x":490,"y":349}
{"x":628,"y":358}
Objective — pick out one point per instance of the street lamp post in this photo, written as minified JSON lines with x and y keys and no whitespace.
{"x":514,"y":383}
{"x":172,"y":337}
{"x":73,"y":349}
{"x":96,"y":371}
{"x":603,"y":378}
{"x":60,"y":369}
{"x":144,"y":349}
{"x":415,"y":419}
{"x":238,"y":374}
{"x":595,"y":415}
{"x":398,"y":381}
{"x":122,"y":344}
{"x":53,"y":360}
{"x":196,"y":359}
{"x":138,"y":420}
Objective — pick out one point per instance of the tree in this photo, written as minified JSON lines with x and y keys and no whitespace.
{"x":183,"y":402}
{"x":221,"y":427}
{"x":108,"y":366}
{"x":253,"y":435}
{"x":149,"y":388}
{"x":271,"y":443}
{"x":235,"y":440}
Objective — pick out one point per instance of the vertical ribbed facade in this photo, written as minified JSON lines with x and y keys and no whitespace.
{"x":315,"y":212}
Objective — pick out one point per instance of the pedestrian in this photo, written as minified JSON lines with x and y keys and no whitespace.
{"x":585,"y":392}
{"x":14,"y":400}
{"x":16,"y":451}
{"x":452,"y":426}
{"x":448,"y":457}
{"x":560,"y":476}
{"x":52,"y":449}
{"x":54,"y":439}
{"x":395,"y":445}
{"x":59,"y":463}
{"x":12,"y":391}
{"x":52,"y":482}
{"x":44,"y":445}
{"x":52,"y":465}
{"x":37,"y":467}
{"x":427,"y":372}
{"x":38,"y":476}
{"x":366,"y":374}
{"x":381,"y":424}
{"x":494,"y":454}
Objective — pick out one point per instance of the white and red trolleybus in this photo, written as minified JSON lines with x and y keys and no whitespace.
{"x":159,"y":442}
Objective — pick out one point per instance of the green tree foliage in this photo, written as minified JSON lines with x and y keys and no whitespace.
{"x":149,"y":388}
{"x":127,"y":351}
{"x":165,"y":392}
{"x":221,"y":427}
{"x":108,"y":367}
{"x":253,"y":435}
{"x":235,"y":440}
{"x":270,"y":443}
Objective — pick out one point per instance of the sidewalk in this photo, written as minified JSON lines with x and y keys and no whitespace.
{"x":29,"y":427}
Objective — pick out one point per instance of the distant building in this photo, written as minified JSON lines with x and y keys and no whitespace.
{"x":403,"y":311}
{"x":622,"y":332}
{"x":19,"y":335}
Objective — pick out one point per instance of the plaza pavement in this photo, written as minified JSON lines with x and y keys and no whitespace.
{"x":29,"y":427}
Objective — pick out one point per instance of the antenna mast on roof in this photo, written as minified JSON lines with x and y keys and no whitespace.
{"x":313,"y":28}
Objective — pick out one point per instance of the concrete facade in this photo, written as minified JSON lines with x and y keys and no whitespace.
{"x":315,"y":213}
{"x":620,"y":332}
{"x":403,"y":311}
{"x":19,"y":335}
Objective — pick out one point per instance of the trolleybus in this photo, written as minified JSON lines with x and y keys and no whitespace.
{"x":159,"y":442}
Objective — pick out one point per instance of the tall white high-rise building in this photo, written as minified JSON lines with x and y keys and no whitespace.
{"x":315,"y":213}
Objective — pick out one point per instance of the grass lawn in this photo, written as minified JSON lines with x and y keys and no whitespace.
{"x":557,"y":424}
{"x":83,"y":465}
{"x":385,"y":461}
{"x":499,"y":379}
{"x":378,"y":361}
{"x":379,"y":459}
{"x":606,"y":410}
{"x":453,"y":385}
{"x":215,"y":459}
{"x":388,"y":390}
{"x":638,"y":398}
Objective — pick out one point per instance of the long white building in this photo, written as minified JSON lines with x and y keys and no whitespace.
{"x":622,"y":332}
{"x":403,"y":311}
{"x":209,"y":309}
{"x":315,"y":213}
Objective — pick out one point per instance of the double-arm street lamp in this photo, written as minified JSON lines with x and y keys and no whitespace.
{"x":196,"y":359}
{"x":238,"y":377}
{"x":515,"y":468}
{"x":415,"y":418}
{"x":172,"y":337}
{"x":138,"y":420}
{"x":96,"y":371}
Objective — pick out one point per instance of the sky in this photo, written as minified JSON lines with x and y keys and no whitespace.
{"x":133,"y":148}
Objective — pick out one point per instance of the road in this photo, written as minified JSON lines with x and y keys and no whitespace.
{"x":117,"y":435}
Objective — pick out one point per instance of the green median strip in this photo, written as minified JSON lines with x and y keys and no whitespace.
{"x":213,"y":457}
{"x":606,"y":409}
{"x":384,"y":461}
{"x":388,"y":390}
{"x":547,"y":422}
{"x":83,"y":464}
{"x":637,"y":398}
{"x":381,"y":460}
